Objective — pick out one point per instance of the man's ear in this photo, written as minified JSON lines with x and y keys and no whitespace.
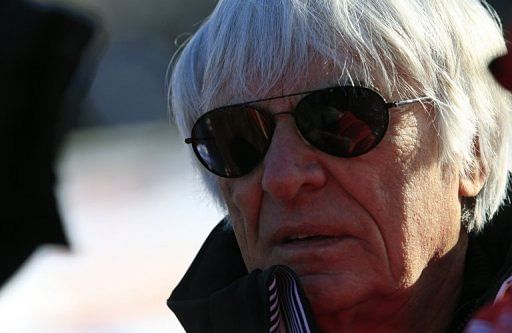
{"x":471,"y":184}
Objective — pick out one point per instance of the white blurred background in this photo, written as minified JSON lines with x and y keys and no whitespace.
{"x":134,"y":219}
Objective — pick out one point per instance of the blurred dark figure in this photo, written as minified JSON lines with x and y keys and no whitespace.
{"x":501,"y":68}
{"x":41,"y":48}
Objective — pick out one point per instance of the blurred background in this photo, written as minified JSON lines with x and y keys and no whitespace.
{"x":132,"y":214}
{"x":129,"y":204}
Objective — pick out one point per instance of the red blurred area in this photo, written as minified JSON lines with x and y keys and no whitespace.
{"x":494,"y":318}
{"x":501,"y":67}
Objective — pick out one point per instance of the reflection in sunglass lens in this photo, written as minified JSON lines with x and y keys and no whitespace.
{"x":232,"y":141}
{"x":342,"y":122}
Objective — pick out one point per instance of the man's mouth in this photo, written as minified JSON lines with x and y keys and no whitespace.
{"x":310,"y":248}
{"x":305,"y":238}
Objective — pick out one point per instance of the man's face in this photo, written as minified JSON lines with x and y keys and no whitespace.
{"x":353,"y":229}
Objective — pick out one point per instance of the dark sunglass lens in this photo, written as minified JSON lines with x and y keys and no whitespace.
{"x":344,"y":121}
{"x":231,"y":142}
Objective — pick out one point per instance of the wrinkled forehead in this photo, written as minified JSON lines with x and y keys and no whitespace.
{"x":316,"y":74}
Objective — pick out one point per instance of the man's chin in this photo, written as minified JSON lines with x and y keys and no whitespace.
{"x":329,"y":293}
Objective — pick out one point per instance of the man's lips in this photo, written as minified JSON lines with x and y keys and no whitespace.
{"x":309,"y":247}
{"x":301,"y":238}
{"x":303,"y":234}
{"x":312,"y":248}
{"x":311,"y":252}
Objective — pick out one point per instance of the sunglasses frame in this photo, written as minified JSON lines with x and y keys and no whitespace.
{"x":388,"y":105}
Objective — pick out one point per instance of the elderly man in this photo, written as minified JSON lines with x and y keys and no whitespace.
{"x":359,"y":148}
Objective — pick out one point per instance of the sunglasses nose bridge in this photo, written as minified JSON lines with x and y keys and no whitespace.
{"x":274,"y":115}
{"x":291,"y":113}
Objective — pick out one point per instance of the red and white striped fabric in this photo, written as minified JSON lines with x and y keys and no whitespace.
{"x":286,"y":304}
{"x":496,"y":317}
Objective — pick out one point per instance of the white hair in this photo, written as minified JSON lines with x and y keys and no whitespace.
{"x":435,"y":48}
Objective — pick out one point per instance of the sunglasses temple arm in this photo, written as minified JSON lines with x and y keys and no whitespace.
{"x":407,"y":101}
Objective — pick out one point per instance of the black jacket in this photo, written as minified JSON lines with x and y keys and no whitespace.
{"x":217,"y":294}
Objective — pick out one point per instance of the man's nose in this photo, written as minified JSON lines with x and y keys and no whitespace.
{"x":291,"y":165}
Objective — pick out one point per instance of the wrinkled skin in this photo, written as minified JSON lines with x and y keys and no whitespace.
{"x":382,"y":246}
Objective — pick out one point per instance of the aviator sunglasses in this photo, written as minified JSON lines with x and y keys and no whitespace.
{"x":342,"y":121}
